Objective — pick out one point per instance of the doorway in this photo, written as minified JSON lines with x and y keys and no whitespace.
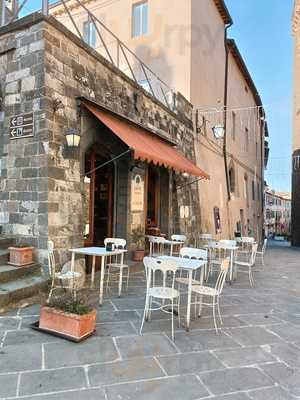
{"x":153,"y":198}
{"x":98,"y":199}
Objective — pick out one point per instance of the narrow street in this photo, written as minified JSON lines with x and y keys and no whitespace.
{"x":256,"y":356}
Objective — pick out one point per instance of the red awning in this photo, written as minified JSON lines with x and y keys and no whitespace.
{"x":145,"y":145}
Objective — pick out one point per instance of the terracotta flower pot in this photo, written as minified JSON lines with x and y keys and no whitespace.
{"x":20,"y":256}
{"x":138,"y":255}
{"x":73,"y":325}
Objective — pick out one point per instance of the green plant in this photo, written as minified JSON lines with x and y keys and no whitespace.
{"x":138,"y":238}
{"x":80,"y":304}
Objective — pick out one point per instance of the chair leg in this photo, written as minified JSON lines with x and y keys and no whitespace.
{"x":262,"y":260}
{"x":144,"y":314}
{"x":127,"y":279}
{"x":251,"y":277}
{"x":214,"y":316}
{"x":178,"y":305}
{"x":173,"y":320}
{"x":107,"y":278}
{"x":219,"y":311}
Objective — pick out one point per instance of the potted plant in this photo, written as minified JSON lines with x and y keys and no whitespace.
{"x":20,"y":256}
{"x":138,"y":239}
{"x":71,"y":316}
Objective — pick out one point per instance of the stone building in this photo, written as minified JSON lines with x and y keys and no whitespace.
{"x":185,"y":43}
{"x":296,"y":130}
{"x":53,"y":85}
{"x":277,"y":213}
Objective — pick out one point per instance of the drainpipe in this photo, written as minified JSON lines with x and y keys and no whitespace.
{"x":225,"y":111}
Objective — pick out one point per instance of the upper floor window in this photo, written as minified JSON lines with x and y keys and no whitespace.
{"x":140,"y":19}
{"x":233,"y":125}
{"x":246,"y":139}
{"x":89,"y":33}
{"x":232,"y":179}
{"x":253,"y":190}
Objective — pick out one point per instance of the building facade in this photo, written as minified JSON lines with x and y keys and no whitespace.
{"x":186,"y":45}
{"x":296,"y":130}
{"x":277,"y":213}
{"x":132,"y":157}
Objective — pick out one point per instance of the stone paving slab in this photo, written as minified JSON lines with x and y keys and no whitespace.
{"x":235,"y":396}
{"x":259,"y":319}
{"x":244,"y":356}
{"x":16,"y":358}
{"x":8,"y":384}
{"x":124,"y":371}
{"x":18,"y":337}
{"x":85,"y":394}
{"x":52,"y":381}
{"x":287,"y":377}
{"x":287,"y":331}
{"x":9,"y":323}
{"x":113,"y":329}
{"x":186,"y":387}
{"x":275,"y":393}
{"x":234,"y":380}
{"x":190,"y":363}
{"x":145,"y":345}
{"x":253,"y":335}
{"x":289,"y":353}
{"x":66,"y":354}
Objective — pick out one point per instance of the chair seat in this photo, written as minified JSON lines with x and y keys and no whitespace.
{"x":205,"y":290}
{"x":67,"y":275}
{"x":243,"y":263}
{"x":185,"y":281}
{"x":117,"y":265}
{"x":216,"y":262}
{"x":163,"y":292}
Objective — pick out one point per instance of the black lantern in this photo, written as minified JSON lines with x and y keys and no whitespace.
{"x":72,"y":138}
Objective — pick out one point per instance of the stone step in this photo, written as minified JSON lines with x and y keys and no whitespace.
{"x":10,"y":273}
{"x":20,"y":289}
{"x":4,"y":255}
{"x":6,"y":242}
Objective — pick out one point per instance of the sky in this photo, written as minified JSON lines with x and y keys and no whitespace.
{"x":262,"y":30}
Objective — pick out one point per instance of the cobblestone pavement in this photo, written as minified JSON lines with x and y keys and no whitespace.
{"x":257,"y":355}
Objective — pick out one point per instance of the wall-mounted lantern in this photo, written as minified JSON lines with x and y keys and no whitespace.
{"x":71,"y":147}
{"x":218,"y":131}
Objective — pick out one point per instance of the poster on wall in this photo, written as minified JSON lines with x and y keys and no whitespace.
{"x":217,"y":220}
{"x":137,"y":193}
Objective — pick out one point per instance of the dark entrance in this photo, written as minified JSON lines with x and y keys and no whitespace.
{"x":99,"y":189}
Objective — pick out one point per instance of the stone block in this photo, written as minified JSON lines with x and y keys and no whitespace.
{"x":14,"y":359}
{"x":20,"y":74}
{"x":36,"y":46}
{"x":28,"y":83}
{"x":30,"y":172}
{"x":12,"y":99}
{"x":12,"y":87}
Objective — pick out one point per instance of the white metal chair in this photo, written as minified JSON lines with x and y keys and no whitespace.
{"x":249,"y":264}
{"x":66,"y":278}
{"x":196,"y":254}
{"x":156,"y":245}
{"x":245,"y":243}
{"x":213,"y":293}
{"x":178,"y":238}
{"x":262,"y":252}
{"x":219,"y":254}
{"x":116,"y":262}
{"x":161,"y":292}
{"x":204,"y":239}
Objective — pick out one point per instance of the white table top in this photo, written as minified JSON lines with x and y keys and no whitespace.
{"x":97,"y":251}
{"x":185,"y":263}
{"x":221,"y":246}
{"x":175,"y":242}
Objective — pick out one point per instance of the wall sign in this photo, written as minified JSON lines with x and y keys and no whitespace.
{"x":137,"y":193}
{"x":21,"y":126}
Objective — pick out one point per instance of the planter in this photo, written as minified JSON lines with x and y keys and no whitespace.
{"x":20,"y":256}
{"x":138,"y":255}
{"x":70,"y":325}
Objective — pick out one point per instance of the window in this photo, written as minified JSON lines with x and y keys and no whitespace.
{"x":258,"y":191}
{"x":253,"y":190}
{"x":246,"y":191}
{"x":246,"y":139}
{"x":233,"y":125}
{"x":140,"y":19}
{"x":231,"y":180}
{"x":89,"y":33}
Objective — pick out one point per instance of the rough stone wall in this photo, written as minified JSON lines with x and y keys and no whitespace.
{"x":42,"y":189}
{"x":24,"y":174}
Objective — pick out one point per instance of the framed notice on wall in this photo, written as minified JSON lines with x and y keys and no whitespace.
{"x":217,"y":220}
{"x":137,"y":193}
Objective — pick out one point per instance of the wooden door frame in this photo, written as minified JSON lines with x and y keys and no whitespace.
{"x":157,"y":194}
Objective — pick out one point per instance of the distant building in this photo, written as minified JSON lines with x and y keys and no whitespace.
{"x":296,"y":130}
{"x":277,"y":213}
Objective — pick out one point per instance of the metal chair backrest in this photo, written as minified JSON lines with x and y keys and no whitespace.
{"x":157,"y":241}
{"x":227,"y":242}
{"x":165,"y":267}
{"x":51,"y":258}
{"x":197,"y":254}
{"x":253,"y":254}
{"x":263,"y":250}
{"x":247,"y":239}
{"x":222,"y":275}
{"x":178,"y":238}
{"x":205,"y":236}
{"x":119,"y":243}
